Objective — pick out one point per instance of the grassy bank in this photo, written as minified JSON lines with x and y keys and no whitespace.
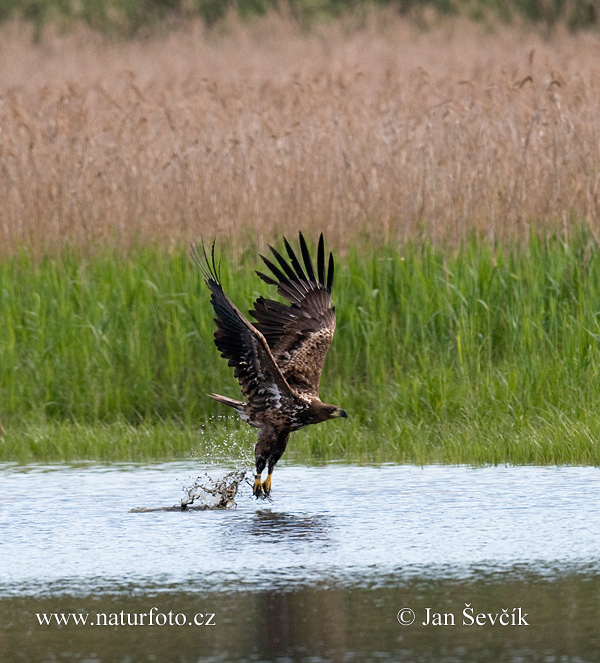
{"x":476,"y":355}
{"x":127,"y":18}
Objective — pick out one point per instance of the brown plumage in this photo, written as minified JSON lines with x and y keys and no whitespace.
{"x":278,"y":360}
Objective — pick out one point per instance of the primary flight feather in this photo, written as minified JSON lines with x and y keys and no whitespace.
{"x":278,"y":360}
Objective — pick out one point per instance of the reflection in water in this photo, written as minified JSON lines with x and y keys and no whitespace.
{"x":317,"y":574}
{"x":314,"y":624}
{"x":277,"y":525}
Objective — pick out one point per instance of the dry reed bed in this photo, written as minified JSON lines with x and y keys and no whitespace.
{"x":381,"y":130}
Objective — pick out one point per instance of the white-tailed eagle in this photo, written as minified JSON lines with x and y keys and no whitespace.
{"x":279,"y":359}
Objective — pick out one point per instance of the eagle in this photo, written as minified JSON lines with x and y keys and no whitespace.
{"x":278,"y":359}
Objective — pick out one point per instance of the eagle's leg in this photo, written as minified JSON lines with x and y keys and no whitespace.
{"x":258,"y":486}
{"x":274,"y":456}
{"x":270,"y":446}
{"x":257,"y":489}
{"x":266,"y":485}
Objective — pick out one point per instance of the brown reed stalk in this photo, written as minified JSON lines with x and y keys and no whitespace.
{"x":380,"y":131}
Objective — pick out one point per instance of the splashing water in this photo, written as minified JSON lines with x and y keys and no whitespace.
{"x":214,"y":494}
{"x":209,"y":493}
{"x":232,"y":444}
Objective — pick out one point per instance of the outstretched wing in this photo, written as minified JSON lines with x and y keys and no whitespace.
{"x":261,"y":380}
{"x":299,"y":335}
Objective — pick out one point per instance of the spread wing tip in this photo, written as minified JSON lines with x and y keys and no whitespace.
{"x":211,"y":271}
{"x":291,"y":273}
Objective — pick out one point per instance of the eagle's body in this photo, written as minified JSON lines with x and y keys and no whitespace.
{"x":279,"y":359}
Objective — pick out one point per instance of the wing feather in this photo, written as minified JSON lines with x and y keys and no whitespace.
{"x":295,"y":264}
{"x":321,"y":259}
{"x":307,"y":261}
{"x":287,"y":288}
{"x":330,"y":273}
{"x":281,"y":260}
{"x":245,"y":347}
{"x":299,"y":334}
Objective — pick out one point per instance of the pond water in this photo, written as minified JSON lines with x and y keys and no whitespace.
{"x":322,"y":572}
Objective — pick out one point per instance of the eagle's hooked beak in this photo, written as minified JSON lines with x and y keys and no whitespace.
{"x":342,"y":413}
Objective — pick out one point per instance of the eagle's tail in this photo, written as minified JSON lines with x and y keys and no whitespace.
{"x":239,"y":406}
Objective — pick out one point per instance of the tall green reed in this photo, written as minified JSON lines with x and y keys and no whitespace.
{"x":482,"y":348}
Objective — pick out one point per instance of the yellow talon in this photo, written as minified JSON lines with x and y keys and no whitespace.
{"x":267,"y":485}
{"x":258,"y":487}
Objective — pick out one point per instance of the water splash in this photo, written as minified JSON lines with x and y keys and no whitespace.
{"x":206,"y":494}
{"x":232,"y":442}
{"x":213,"y":493}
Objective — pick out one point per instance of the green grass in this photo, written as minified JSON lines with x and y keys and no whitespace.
{"x":125,"y":18}
{"x":483,"y":355}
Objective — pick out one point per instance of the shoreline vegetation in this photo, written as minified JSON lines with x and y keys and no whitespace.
{"x":453,"y":170}
{"x":126,"y":19}
{"x":481,"y":355}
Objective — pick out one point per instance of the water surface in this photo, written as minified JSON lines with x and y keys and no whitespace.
{"x":318,"y":573}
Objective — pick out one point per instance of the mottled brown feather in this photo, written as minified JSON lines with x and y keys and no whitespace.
{"x":299,"y":334}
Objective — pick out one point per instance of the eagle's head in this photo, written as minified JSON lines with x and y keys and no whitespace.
{"x":327,"y":412}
